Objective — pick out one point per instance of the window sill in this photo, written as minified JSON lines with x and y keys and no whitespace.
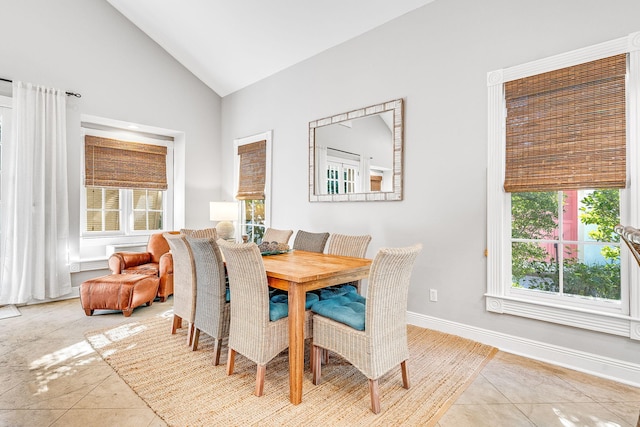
{"x":608,"y":323}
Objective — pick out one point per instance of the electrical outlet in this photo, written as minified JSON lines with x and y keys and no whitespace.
{"x":433,"y":295}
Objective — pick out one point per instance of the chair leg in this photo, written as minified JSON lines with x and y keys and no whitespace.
{"x":217,"y":347}
{"x":177,"y":323}
{"x":405,"y":374}
{"x":196,"y":338}
{"x":262,"y":369}
{"x":190,"y":333}
{"x":375,"y":396}
{"x":316,"y":369}
{"x":230,"y":361}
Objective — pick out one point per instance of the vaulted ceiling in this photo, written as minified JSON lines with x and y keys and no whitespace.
{"x":230,"y":44}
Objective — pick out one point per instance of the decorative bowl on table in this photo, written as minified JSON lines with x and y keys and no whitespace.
{"x":273,"y":248}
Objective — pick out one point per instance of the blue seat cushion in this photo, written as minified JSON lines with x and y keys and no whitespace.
{"x":344,"y":309}
{"x":278,"y":307}
{"x":351,"y":295}
{"x":336,"y":291}
{"x":279,"y":304}
{"x":227,"y":295}
{"x":311,"y":299}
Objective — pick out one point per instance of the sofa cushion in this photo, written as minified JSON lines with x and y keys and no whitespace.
{"x":150,"y":269}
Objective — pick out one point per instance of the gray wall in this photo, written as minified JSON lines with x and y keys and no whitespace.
{"x":87,"y":46}
{"x":437,"y":59}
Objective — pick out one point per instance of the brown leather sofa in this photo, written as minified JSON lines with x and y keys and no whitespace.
{"x":157,"y":261}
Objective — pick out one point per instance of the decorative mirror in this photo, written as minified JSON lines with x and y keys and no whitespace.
{"x":357,"y":156}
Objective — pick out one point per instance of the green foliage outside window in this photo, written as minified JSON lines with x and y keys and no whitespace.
{"x":602,"y":208}
{"x":535,"y":217}
{"x":254,"y":218}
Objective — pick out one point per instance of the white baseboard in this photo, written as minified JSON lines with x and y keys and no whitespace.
{"x":604,"y":367}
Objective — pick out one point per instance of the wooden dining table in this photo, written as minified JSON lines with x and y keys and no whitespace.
{"x":298,"y":272}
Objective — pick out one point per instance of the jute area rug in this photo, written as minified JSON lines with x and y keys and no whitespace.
{"x":185,"y":389}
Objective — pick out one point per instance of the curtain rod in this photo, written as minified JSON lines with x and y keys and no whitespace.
{"x":342,"y":151}
{"x":77,"y":95}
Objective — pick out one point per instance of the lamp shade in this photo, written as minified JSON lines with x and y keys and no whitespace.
{"x":223,"y":211}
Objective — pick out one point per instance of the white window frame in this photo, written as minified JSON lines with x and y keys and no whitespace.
{"x":264,"y":136}
{"x":499,"y":296}
{"x":83,"y":217}
{"x":126,"y":196}
{"x":340,"y":164}
{"x":146,"y":210}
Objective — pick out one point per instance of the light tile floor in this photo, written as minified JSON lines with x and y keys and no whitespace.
{"x":50,"y":376}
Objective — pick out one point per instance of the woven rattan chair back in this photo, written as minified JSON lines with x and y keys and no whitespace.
{"x":184,"y":283}
{"x":212,"y":310}
{"x":386,"y":308}
{"x":347,"y":245}
{"x":383,"y":344}
{"x":210,"y":233}
{"x":251,"y":333}
{"x":275,"y":235}
{"x":311,"y":242}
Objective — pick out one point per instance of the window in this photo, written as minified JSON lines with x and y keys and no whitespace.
{"x":103,"y":209}
{"x":563,"y":247}
{"x":253,"y":183}
{"x":333,"y":178}
{"x":148,"y":209}
{"x":562,"y":174}
{"x":127,"y":179}
{"x":253,"y":224}
{"x":342,"y":177}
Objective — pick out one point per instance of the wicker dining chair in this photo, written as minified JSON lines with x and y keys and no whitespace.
{"x":184,"y":284}
{"x":252,"y":333}
{"x":208,"y":233}
{"x":382,"y":344}
{"x":348,"y":245}
{"x":212,"y":308}
{"x":275,"y":235}
{"x":311,"y":242}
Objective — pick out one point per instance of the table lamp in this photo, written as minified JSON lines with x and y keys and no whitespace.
{"x":224,"y":213}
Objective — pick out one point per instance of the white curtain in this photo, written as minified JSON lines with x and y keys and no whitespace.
{"x":321,"y":169}
{"x":35,"y":215}
{"x":365,"y":174}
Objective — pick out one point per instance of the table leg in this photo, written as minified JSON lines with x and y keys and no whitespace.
{"x":296,"y":342}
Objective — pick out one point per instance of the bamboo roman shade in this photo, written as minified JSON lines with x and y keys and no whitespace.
{"x":122,"y":164}
{"x":253,"y":166}
{"x":566,"y":129}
